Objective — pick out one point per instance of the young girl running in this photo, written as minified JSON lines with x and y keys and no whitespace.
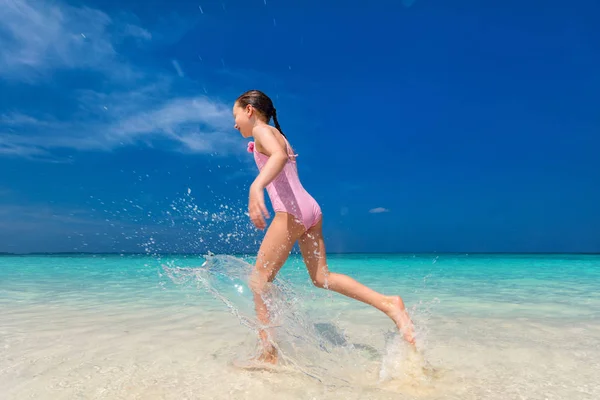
{"x":297,"y":218}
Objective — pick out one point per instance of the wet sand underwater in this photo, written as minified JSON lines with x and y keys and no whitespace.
{"x":125,"y":328}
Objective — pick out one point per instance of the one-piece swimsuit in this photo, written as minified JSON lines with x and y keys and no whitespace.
{"x":286,"y":192}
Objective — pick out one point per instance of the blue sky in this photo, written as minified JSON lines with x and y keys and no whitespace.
{"x":421,"y":125}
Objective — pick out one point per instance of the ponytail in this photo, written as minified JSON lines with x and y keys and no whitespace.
{"x":277,"y":122}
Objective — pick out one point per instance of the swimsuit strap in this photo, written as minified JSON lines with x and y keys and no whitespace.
{"x":251,"y":148}
{"x":288,"y":147}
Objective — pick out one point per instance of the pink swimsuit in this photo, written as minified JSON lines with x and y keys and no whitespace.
{"x":287,"y":193}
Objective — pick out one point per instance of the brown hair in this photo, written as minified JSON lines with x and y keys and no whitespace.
{"x":262,"y":103}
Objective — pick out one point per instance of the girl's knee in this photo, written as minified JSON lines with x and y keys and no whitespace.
{"x":320,"y":281}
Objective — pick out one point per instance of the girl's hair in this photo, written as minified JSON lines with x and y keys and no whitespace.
{"x":262,"y":103}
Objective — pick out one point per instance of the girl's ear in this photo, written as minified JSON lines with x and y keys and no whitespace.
{"x":249,"y":110}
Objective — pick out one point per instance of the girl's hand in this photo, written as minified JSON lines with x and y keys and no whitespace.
{"x":256,"y":207}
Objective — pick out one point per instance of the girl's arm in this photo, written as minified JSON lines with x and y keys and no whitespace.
{"x":265,"y":141}
{"x":267,"y":144}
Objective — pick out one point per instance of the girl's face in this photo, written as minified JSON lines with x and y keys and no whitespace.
{"x":244,"y":119}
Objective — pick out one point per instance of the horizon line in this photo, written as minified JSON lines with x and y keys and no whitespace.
{"x":4,"y":253}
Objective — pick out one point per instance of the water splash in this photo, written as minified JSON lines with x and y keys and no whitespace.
{"x":306,"y":343}
{"x":177,"y":225}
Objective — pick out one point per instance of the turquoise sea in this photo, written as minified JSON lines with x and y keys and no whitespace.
{"x":489,"y":326}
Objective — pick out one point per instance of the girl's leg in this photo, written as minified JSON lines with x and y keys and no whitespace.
{"x":274,"y":250}
{"x":312,"y":247}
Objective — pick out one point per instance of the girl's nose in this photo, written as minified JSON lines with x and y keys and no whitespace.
{"x":236,"y":126}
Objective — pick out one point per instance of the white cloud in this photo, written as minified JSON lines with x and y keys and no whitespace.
{"x":14,"y":149}
{"x":194,"y":124}
{"x":135,"y":31}
{"x":38,"y":38}
{"x":378,"y":210}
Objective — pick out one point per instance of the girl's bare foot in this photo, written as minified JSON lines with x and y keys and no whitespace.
{"x":397,"y":312}
{"x":263,"y":362}
{"x":269,"y":355}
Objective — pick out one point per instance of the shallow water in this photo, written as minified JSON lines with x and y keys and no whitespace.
{"x":490,"y":327}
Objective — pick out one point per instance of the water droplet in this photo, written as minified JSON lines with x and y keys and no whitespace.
{"x":177,"y":68}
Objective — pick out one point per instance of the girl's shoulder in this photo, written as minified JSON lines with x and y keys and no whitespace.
{"x":268,"y":136}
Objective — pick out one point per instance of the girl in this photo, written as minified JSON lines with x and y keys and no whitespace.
{"x":297,"y":218}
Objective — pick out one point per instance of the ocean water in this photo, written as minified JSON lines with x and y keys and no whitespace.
{"x":177,"y":327}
